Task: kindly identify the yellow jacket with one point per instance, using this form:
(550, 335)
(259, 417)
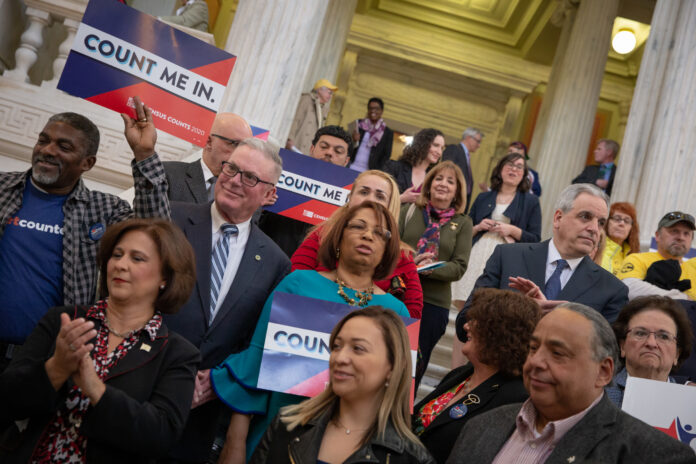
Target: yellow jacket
(614, 255)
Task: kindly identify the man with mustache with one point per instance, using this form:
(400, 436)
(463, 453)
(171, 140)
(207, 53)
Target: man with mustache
(52, 223)
(560, 266)
(567, 417)
(662, 272)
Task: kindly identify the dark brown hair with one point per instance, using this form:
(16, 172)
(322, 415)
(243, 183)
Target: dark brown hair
(175, 254)
(331, 239)
(629, 210)
(418, 149)
(497, 179)
(502, 322)
(658, 303)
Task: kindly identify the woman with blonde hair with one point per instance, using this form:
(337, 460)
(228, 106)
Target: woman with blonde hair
(379, 187)
(364, 412)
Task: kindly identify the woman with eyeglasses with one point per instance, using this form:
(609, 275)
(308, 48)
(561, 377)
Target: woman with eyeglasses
(360, 247)
(622, 233)
(654, 335)
(505, 214)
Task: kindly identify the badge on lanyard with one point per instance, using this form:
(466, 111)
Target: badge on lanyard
(96, 231)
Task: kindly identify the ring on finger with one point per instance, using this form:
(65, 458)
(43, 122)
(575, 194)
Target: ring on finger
(72, 347)
(142, 120)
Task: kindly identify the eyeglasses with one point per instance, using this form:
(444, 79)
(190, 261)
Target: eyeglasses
(361, 228)
(640, 334)
(248, 179)
(514, 167)
(626, 220)
(478, 140)
(229, 142)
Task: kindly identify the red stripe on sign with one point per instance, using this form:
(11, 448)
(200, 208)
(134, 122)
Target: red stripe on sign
(311, 212)
(312, 386)
(171, 114)
(219, 71)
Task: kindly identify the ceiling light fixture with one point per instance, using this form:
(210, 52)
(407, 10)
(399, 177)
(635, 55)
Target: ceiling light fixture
(624, 41)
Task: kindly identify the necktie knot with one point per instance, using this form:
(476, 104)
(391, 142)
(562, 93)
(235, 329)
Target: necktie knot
(228, 229)
(561, 264)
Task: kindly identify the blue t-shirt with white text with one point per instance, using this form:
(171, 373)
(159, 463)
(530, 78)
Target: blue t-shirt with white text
(31, 263)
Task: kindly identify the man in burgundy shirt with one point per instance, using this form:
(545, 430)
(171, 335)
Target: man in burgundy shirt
(567, 417)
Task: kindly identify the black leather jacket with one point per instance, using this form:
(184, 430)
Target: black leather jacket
(301, 446)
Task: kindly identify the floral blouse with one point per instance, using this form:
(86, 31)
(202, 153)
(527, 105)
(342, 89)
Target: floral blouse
(434, 407)
(62, 440)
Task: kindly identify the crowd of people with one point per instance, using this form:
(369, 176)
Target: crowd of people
(137, 334)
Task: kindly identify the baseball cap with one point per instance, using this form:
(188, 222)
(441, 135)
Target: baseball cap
(669, 219)
(325, 83)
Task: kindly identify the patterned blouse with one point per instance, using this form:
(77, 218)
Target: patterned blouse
(434, 407)
(62, 441)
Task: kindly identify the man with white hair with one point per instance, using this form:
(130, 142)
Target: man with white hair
(461, 155)
(559, 269)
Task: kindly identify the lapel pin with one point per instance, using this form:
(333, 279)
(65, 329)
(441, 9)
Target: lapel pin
(453, 225)
(458, 411)
(257, 258)
(571, 459)
(145, 347)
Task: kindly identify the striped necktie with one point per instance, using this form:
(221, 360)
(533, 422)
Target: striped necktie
(218, 264)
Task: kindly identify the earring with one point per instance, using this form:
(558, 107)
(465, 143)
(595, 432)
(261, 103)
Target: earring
(338, 252)
(386, 384)
(162, 286)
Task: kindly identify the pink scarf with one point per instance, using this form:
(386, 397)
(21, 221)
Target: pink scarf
(375, 130)
(434, 219)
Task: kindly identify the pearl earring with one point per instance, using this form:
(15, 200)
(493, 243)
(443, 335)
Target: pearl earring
(162, 287)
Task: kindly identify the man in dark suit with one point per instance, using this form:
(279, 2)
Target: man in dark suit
(567, 418)
(194, 182)
(560, 266)
(461, 155)
(237, 266)
(601, 174)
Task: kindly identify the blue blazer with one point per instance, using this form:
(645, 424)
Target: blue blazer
(590, 284)
(524, 212)
(262, 267)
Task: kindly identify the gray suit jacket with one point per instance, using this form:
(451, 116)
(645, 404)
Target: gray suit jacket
(186, 182)
(605, 435)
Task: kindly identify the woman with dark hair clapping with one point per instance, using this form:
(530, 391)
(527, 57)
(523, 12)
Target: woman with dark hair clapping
(109, 383)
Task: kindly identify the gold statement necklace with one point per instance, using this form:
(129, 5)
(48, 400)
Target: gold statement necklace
(364, 296)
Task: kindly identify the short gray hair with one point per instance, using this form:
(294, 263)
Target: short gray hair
(471, 132)
(269, 149)
(603, 342)
(569, 194)
(83, 124)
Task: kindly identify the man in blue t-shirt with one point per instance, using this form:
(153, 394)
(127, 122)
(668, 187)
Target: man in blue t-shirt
(51, 223)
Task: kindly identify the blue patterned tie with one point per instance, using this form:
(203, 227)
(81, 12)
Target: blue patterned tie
(553, 285)
(218, 264)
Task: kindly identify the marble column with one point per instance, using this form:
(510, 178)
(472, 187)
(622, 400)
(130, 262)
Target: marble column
(561, 144)
(656, 162)
(282, 48)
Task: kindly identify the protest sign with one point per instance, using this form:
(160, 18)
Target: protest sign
(669, 407)
(120, 52)
(296, 350)
(309, 190)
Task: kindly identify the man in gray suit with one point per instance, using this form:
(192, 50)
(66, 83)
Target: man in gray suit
(237, 266)
(194, 182)
(567, 418)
